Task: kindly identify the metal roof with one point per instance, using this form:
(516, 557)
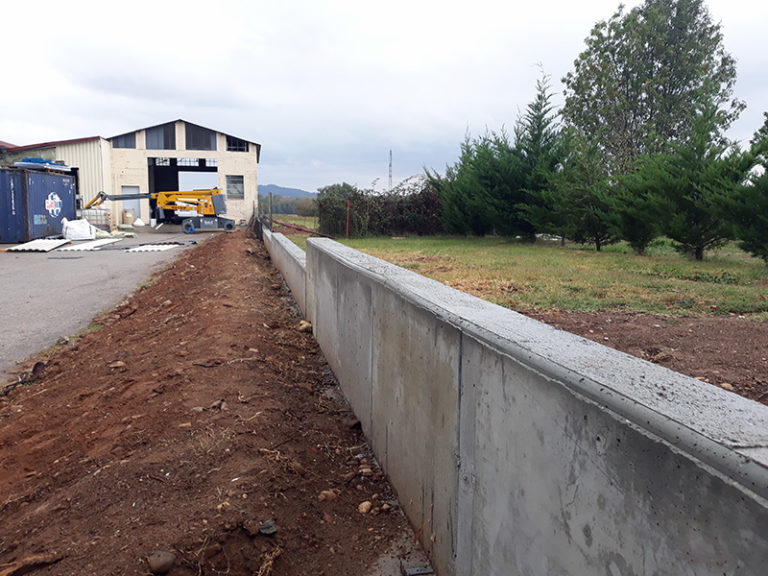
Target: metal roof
(53, 144)
(6, 145)
(258, 146)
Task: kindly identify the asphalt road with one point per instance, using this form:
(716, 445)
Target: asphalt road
(46, 296)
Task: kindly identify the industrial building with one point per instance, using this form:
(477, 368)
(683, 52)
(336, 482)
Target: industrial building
(150, 160)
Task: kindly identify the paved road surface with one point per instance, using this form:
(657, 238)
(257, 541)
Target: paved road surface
(44, 296)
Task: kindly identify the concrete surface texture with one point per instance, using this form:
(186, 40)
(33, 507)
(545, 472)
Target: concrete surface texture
(293, 265)
(46, 296)
(519, 449)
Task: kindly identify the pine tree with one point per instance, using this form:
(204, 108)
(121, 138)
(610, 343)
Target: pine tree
(697, 183)
(636, 211)
(539, 144)
(751, 207)
(578, 196)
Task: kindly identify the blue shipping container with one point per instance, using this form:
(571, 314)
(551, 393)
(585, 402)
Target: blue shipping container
(33, 204)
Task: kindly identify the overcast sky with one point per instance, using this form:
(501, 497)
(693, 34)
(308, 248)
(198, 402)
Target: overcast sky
(327, 87)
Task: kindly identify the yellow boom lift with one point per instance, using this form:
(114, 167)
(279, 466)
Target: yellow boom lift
(206, 204)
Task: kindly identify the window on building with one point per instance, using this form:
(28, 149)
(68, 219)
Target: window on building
(159, 161)
(236, 145)
(199, 138)
(124, 141)
(188, 162)
(162, 137)
(211, 162)
(235, 187)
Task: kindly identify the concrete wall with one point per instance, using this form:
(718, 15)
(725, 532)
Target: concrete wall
(519, 449)
(291, 261)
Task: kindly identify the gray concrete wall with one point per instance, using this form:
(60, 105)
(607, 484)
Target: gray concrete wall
(519, 449)
(290, 260)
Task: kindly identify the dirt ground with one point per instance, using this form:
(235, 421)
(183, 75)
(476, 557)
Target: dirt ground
(197, 427)
(727, 351)
(200, 423)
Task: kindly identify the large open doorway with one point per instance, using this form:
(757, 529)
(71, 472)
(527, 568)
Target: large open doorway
(169, 174)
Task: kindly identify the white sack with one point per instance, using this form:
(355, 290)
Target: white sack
(77, 230)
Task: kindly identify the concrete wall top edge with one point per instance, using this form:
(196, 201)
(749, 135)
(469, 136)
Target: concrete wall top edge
(295, 252)
(651, 396)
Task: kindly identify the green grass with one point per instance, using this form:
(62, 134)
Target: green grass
(310, 222)
(546, 275)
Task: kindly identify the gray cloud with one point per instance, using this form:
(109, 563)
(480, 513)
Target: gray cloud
(328, 88)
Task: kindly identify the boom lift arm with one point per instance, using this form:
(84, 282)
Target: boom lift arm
(208, 204)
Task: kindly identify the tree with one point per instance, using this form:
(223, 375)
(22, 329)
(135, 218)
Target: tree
(481, 190)
(496, 184)
(636, 212)
(751, 216)
(643, 76)
(539, 145)
(697, 183)
(306, 206)
(466, 204)
(751, 207)
(334, 203)
(578, 197)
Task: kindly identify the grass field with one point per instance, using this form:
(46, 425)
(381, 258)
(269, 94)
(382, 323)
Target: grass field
(306, 221)
(546, 275)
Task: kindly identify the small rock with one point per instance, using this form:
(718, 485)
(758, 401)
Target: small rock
(364, 507)
(327, 495)
(727, 386)
(385, 507)
(118, 364)
(268, 528)
(167, 303)
(161, 561)
(305, 326)
(185, 425)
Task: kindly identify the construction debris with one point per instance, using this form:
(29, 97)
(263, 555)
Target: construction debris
(151, 248)
(40, 245)
(89, 246)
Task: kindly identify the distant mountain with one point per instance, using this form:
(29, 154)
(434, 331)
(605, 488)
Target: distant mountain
(276, 190)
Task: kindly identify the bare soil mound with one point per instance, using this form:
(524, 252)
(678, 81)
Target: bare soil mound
(194, 429)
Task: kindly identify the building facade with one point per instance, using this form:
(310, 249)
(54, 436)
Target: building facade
(150, 159)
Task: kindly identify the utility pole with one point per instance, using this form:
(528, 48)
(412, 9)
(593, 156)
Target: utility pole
(390, 169)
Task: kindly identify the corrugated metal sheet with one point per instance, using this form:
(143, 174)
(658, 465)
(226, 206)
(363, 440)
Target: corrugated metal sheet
(91, 157)
(152, 248)
(91, 245)
(38, 246)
